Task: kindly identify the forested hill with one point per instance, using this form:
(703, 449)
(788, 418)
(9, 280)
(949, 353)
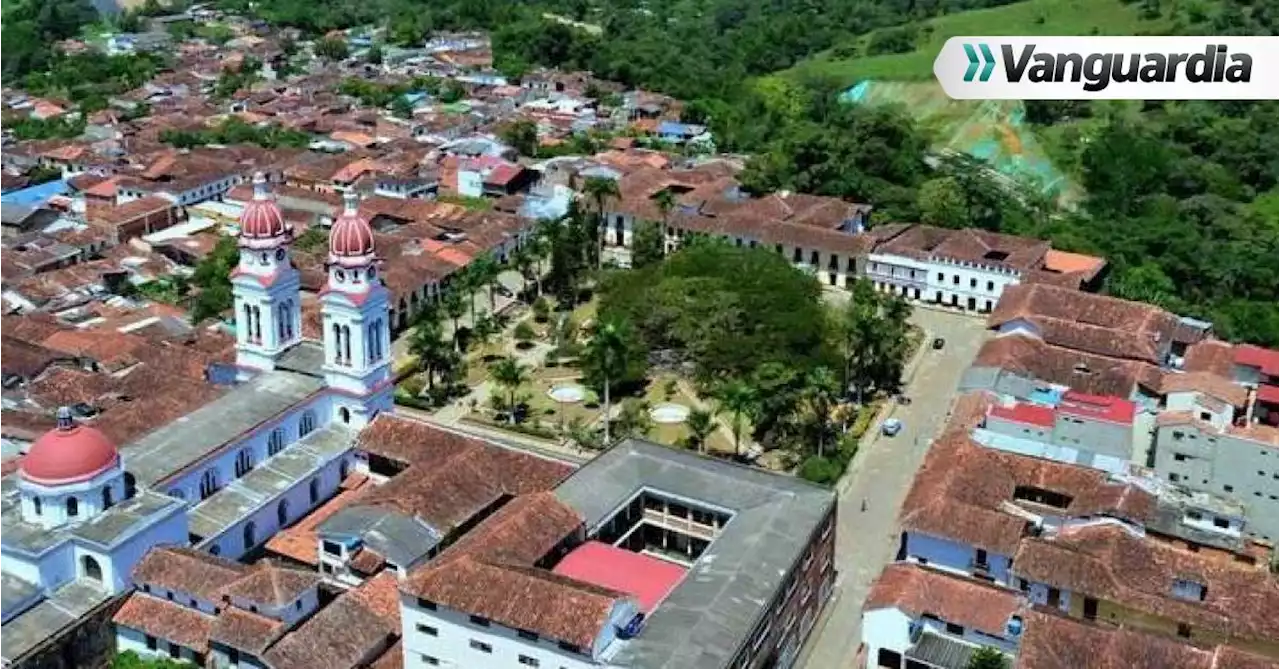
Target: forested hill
(1181, 197)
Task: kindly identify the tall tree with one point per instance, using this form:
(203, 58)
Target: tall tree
(485, 270)
(510, 375)
(522, 135)
(455, 307)
(740, 400)
(819, 396)
(600, 191)
(332, 48)
(606, 357)
(428, 344)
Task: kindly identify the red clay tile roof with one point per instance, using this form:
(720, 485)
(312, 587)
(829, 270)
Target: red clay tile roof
(187, 570)
(367, 561)
(354, 628)
(245, 631)
(917, 590)
(272, 586)
(166, 620)
(521, 532)
(1095, 324)
(1084, 372)
(960, 489)
(392, 659)
(1109, 563)
(1206, 383)
(299, 541)
(524, 598)
(1053, 641)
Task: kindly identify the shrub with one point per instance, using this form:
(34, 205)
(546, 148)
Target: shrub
(821, 470)
(541, 310)
(524, 333)
(669, 389)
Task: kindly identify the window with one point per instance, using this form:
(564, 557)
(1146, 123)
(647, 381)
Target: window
(1194, 515)
(250, 535)
(330, 547)
(480, 620)
(528, 661)
(1174, 478)
(151, 642)
(244, 462)
(275, 443)
(1227, 488)
(313, 490)
(980, 558)
(942, 277)
(308, 423)
(527, 636)
(813, 258)
(39, 507)
(481, 646)
(427, 630)
(1179, 457)
(73, 507)
(1054, 596)
(991, 285)
(953, 628)
(973, 283)
(175, 651)
(1184, 630)
(428, 660)
(888, 658)
(955, 279)
(426, 604)
(1221, 523)
(1024, 585)
(344, 414)
(282, 513)
(1090, 608)
(569, 647)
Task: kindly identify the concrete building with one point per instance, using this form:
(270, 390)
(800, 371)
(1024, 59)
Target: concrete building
(644, 557)
(1082, 429)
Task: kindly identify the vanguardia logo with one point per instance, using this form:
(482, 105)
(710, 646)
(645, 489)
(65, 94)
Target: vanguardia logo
(988, 62)
(1098, 70)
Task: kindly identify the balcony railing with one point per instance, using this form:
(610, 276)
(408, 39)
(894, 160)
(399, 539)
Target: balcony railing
(678, 524)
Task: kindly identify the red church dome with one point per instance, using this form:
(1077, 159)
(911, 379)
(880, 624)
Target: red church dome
(351, 238)
(261, 218)
(70, 453)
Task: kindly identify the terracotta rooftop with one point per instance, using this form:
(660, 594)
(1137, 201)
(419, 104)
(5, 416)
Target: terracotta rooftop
(959, 491)
(299, 541)
(1206, 383)
(1053, 641)
(917, 591)
(1078, 370)
(1096, 324)
(166, 620)
(1108, 562)
(356, 626)
(525, 598)
(272, 586)
(245, 631)
(187, 570)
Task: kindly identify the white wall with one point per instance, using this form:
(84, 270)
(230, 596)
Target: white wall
(451, 644)
(885, 628)
(187, 486)
(49, 570)
(171, 529)
(230, 542)
(965, 281)
(130, 639)
(1039, 594)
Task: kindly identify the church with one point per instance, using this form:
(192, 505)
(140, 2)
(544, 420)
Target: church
(80, 511)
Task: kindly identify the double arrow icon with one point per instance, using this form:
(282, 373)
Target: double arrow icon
(987, 58)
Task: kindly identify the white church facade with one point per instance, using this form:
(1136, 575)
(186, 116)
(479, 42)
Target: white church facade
(80, 513)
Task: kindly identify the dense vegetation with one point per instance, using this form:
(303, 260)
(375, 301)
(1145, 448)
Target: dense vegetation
(235, 131)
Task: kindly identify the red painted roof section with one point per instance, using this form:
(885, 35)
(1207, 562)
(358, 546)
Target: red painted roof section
(1255, 356)
(1269, 394)
(1028, 414)
(648, 579)
(1098, 407)
(503, 174)
(70, 455)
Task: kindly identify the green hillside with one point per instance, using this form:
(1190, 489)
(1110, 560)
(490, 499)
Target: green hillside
(850, 61)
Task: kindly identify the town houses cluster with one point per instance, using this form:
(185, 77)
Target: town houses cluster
(242, 491)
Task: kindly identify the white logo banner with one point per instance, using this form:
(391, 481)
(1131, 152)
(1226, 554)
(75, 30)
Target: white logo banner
(1110, 68)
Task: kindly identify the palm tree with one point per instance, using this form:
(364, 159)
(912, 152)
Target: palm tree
(600, 190)
(455, 307)
(485, 269)
(484, 329)
(606, 352)
(818, 395)
(739, 399)
(509, 374)
(701, 424)
(467, 282)
(428, 344)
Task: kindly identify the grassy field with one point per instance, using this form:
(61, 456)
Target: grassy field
(1036, 17)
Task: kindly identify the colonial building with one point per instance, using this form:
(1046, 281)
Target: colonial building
(80, 513)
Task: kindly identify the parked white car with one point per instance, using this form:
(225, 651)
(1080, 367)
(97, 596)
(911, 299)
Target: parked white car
(891, 427)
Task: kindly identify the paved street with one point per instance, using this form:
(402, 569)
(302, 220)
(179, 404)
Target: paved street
(881, 474)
